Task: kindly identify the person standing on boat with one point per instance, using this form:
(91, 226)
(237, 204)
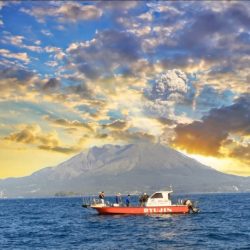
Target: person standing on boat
(141, 200)
(118, 198)
(128, 200)
(101, 197)
(145, 198)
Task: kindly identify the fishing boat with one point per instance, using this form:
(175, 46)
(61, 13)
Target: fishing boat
(158, 203)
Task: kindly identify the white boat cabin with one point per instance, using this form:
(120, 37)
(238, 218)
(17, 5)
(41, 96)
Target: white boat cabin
(160, 198)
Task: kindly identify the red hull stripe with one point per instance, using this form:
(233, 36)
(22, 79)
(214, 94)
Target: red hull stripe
(143, 210)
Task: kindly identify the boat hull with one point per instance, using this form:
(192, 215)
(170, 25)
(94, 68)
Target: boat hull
(174, 209)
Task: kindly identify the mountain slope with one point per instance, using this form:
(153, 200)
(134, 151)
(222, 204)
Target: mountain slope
(129, 168)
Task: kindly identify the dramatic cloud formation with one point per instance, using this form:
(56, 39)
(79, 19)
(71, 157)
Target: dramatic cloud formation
(209, 135)
(76, 74)
(171, 86)
(169, 90)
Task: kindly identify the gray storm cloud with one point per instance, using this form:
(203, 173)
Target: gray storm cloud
(168, 90)
(171, 86)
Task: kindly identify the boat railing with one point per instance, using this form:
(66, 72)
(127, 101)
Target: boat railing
(89, 201)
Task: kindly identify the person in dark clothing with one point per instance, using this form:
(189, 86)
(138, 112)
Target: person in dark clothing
(128, 200)
(143, 199)
(101, 197)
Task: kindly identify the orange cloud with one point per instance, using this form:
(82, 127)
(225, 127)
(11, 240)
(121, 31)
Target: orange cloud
(211, 135)
(33, 135)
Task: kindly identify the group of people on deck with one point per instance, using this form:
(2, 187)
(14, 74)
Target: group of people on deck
(118, 199)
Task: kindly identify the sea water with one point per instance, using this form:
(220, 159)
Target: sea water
(61, 223)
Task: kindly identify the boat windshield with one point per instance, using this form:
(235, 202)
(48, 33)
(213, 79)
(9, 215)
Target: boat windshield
(157, 196)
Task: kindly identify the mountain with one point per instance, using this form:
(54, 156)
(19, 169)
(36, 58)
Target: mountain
(130, 168)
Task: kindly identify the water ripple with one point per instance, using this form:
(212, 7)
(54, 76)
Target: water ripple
(64, 224)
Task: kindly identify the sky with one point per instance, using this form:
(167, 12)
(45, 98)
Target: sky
(79, 74)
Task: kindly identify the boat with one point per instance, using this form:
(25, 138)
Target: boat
(158, 203)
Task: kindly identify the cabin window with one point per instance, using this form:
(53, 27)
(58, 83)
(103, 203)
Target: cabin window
(157, 195)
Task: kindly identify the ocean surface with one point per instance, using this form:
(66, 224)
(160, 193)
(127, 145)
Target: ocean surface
(61, 223)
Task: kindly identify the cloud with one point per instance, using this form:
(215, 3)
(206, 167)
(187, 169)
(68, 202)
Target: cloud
(208, 135)
(208, 32)
(19, 42)
(159, 109)
(18, 83)
(169, 91)
(46, 32)
(69, 123)
(81, 90)
(7, 3)
(73, 12)
(2, 4)
(19, 56)
(171, 85)
(239, 13)
(118, 124)
(15, 82)
(52, 84)
(209, 98)
(70, 12)
(132, 136)
(32, 134)
(241, 152)
(203, 40)
(22, 75)
(59, 54)
(58, 149)
(52, 63)
(209, 26)
(105, 54)
(117, 6)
